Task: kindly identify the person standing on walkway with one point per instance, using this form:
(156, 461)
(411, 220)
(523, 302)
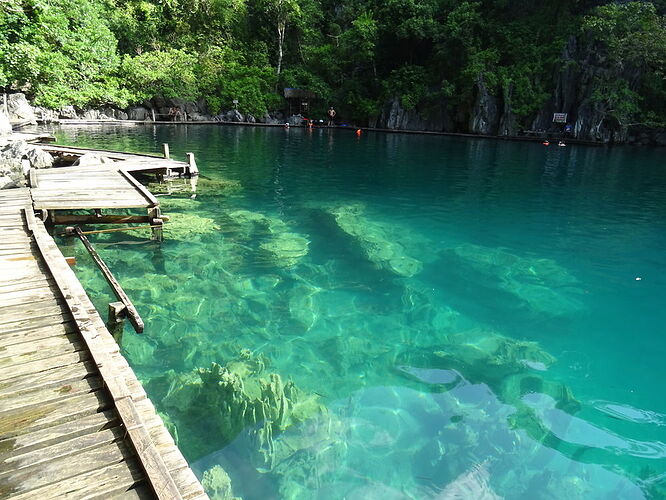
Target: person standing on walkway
(331, 116)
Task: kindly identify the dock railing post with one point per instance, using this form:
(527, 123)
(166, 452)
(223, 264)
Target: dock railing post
(155, 215)
(192, 164)
(116, 321)
(165, 149)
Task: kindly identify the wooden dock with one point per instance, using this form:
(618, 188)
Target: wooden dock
(74, 420)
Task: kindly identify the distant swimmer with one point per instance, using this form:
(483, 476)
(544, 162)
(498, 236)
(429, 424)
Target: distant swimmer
(561, 143)
(546, 142)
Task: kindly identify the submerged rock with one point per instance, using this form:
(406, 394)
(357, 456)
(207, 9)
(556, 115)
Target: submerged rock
(286, 249)
(229, 399)
(217, 484)
(184, 226)
(377, 241)
(541, 284)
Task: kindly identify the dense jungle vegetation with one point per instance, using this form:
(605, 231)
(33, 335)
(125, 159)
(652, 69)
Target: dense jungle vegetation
(355, 54)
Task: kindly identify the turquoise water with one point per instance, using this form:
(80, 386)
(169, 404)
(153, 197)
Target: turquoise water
(401, 316)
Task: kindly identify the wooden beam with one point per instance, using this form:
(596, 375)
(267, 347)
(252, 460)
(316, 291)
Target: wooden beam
(132, 313)
(140, 187)
(74, 220)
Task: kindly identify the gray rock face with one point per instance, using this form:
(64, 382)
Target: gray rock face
(234, 116)
(250, 119)
(67, 113)
(46, 115)
(138, 113)
(19, 108)
(484, 118)
(395, 117)
(12, 169)
(5, 126)
(295, 120)
(267, 118)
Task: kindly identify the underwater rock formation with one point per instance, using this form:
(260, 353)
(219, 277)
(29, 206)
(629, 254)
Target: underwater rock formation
(217, 484)
(286, 249)
(379, 242)
(281, 246)
(541, 284)
(185, 226)
(229, 399)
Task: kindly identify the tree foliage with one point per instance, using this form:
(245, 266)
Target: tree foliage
(357, 54)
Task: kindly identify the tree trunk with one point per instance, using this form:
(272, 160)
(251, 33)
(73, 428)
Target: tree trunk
(281, 28)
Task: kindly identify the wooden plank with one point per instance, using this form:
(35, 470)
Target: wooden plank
(42, 365)
(30, 478)
(53, 393)
(33, 335)
(57, 377)
(122, 480)
(32, 459)
(140, 187)
(26, 352)
(58, 433)
(37, 321)
(28, 419)
(26, 295)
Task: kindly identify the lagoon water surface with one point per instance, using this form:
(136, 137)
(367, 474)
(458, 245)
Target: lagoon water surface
(400, 316)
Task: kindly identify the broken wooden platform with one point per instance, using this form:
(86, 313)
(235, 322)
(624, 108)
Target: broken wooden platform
(74, 420)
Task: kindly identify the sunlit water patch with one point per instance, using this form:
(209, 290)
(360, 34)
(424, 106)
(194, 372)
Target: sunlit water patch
(400, 317)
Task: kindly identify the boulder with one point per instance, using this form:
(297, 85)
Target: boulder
(67, 113)
(19, 108)
(250, 119)
(234, 116)
(296, 120)
(5, 126)
(121, 115)
(90, 159)
(39, 158)
(46, 115)
(267, 118)
(197, 117)
(11, 173)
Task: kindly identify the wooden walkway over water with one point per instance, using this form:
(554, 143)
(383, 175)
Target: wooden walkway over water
(74, 420)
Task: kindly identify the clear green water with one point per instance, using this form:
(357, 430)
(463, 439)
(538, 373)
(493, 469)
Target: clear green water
(460, 317)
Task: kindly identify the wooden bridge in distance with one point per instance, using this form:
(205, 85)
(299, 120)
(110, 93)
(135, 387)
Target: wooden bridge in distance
(74, 420)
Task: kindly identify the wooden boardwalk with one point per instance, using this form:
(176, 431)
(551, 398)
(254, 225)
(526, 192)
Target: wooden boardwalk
(77, 188)
(74, 420)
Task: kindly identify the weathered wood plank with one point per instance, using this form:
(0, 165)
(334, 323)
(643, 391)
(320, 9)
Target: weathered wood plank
(60, 450)
(30, 478)
(33, 418)
(35, 335)
(58, 433)
(37, 321)
(18, 354)
(52, 393)
(56, 377)
(43, 365)
(123, 480)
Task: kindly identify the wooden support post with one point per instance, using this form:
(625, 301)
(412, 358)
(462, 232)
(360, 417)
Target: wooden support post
(165, 150)
(116, 320)
(155, 216)
(152, 111)
(192, 165)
